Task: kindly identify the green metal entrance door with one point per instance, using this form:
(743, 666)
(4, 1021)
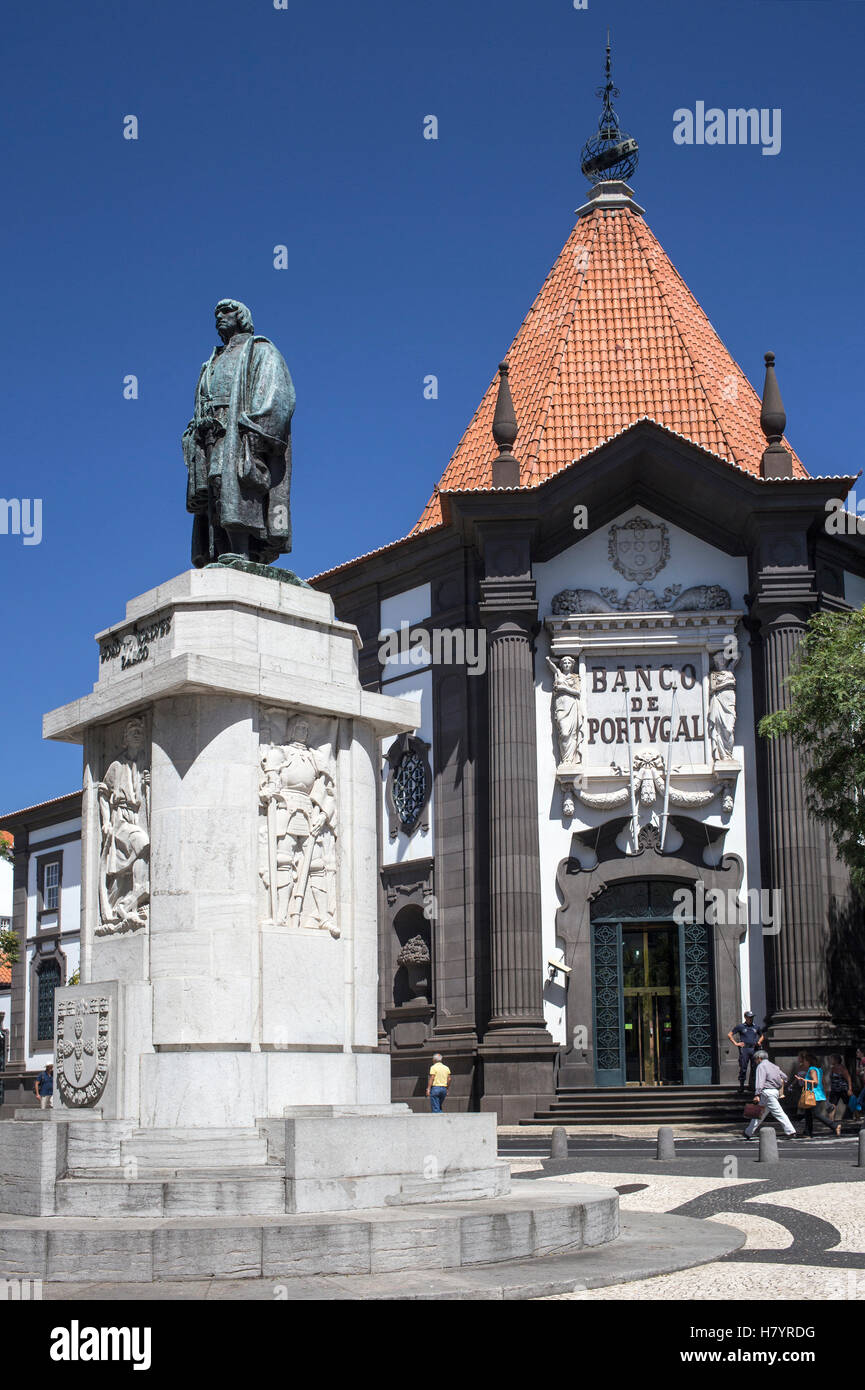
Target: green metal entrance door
(652, 1005)
(652, 989)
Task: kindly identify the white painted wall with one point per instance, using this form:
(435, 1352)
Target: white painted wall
(586, 565)
(400, 612)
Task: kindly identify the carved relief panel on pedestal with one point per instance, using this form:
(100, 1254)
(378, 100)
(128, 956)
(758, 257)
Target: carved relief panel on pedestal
(123, 799)
(298, 821)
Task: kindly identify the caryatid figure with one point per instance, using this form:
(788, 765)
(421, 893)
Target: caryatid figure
(722, 704)
(237, 446)
(567, 718)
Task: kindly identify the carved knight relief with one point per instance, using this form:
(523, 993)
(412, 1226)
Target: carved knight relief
(123, 797)
(298, 823)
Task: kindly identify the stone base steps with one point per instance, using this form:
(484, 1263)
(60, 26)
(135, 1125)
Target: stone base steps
(194, 1148)
(190, 1192)
(244, 1191)
(544, 1220)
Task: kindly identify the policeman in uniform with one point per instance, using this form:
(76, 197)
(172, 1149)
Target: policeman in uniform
(746, 1037)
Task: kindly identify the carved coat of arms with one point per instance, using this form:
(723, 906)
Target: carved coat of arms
(639, 548)
(82, 1049)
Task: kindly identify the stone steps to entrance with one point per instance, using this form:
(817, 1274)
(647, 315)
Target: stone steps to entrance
(642, 1105)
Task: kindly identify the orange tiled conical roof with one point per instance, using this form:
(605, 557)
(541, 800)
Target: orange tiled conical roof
(614, 336)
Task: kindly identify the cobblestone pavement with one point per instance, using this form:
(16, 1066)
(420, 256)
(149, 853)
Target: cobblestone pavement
(804, 1217)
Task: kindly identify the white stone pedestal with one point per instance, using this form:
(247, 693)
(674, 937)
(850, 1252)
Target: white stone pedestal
(222, 1013)
(223, 1047)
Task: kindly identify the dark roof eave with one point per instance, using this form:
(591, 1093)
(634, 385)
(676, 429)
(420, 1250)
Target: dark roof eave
(72, 800)
(385, 550)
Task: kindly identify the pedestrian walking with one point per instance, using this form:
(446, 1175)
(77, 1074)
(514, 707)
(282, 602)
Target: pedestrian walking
(810, 1075)
(768, 1089)
(45, 1088)
(840, 1085)
(746, 1037)
(859, 1068)
(438, 1083)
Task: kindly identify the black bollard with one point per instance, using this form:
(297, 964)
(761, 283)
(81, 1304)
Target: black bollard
(861, 1162)
(666, 1145)
(559, 1143)
(768, 1146)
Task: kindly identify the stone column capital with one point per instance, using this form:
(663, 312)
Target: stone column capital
(509, 608)
(783, 598)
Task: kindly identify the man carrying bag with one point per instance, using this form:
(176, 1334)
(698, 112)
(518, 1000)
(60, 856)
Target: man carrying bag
(769, 1087)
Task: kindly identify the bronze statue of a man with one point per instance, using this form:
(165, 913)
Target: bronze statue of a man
(237, 446)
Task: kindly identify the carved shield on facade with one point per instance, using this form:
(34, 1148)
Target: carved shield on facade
(82, 1049)
(639, 548)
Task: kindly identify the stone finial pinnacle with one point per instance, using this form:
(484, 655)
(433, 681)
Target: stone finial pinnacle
(777, 462)
(505, 427)
(506, 469)
(773, 420)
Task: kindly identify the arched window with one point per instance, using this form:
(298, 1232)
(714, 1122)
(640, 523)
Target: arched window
(409, 783)
(49, 979)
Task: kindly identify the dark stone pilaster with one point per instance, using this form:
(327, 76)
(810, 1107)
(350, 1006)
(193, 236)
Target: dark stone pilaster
(517, 1050)
(796, 955)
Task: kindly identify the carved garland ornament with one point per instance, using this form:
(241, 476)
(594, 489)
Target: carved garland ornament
(649, 783)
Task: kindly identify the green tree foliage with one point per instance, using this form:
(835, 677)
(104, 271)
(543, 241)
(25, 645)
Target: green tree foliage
(9, 945)
(826, 719)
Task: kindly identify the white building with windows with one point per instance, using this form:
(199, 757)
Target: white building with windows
(43, 901)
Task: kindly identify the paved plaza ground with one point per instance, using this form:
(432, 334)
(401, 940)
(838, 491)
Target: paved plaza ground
(803, 1218)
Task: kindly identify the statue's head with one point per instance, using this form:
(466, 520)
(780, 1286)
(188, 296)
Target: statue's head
(298, 731)
(232, 317)
(567, 665)
(719, 659)
(133, 734)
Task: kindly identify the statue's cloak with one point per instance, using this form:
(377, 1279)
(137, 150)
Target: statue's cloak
(242, 480)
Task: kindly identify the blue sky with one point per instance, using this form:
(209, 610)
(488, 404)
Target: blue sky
(408, 257)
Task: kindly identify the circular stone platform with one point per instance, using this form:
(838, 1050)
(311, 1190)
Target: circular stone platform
(551, 1219)
(552, 1239)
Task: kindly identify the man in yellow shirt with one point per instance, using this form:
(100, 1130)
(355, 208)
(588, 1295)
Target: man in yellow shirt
(438, 1083)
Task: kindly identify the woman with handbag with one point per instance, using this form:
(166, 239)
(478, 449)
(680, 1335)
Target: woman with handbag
(812, 1098)
(840, 1087)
